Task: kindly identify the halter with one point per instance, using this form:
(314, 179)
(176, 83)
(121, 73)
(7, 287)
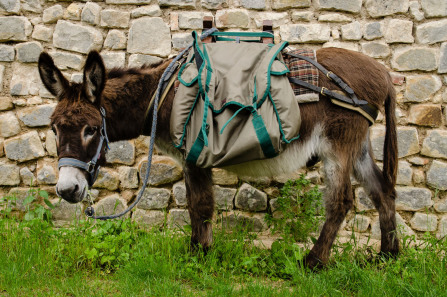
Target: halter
(90, 167)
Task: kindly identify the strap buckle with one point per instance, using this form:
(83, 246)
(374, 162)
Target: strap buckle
(328, 74)
(322, 91)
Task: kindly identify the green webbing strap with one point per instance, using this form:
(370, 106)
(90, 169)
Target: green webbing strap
(196, 149)
(263, 136)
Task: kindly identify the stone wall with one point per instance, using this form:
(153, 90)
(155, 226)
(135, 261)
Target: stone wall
(409, 37)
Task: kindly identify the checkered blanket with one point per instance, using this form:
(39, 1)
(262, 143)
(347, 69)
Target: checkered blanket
(305, 71)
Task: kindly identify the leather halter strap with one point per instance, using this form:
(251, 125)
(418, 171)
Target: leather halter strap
(90, 167)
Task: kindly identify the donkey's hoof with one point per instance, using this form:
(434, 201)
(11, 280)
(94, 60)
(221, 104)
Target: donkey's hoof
(196, 246)
(313, 262)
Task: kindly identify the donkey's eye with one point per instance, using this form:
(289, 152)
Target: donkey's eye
(90, 131)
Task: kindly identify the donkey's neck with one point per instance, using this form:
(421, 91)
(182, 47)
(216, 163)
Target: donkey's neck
(126, 98)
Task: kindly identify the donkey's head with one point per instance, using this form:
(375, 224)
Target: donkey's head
(77, 124)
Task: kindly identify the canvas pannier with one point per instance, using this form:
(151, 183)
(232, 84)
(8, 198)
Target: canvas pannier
(234, 104)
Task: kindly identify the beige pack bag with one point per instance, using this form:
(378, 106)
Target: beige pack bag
(234, 104)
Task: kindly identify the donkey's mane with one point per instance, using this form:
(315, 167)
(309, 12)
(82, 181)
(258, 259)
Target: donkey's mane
(118, 72)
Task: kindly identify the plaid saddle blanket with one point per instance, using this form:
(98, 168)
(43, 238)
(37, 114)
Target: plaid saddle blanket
(304, 71)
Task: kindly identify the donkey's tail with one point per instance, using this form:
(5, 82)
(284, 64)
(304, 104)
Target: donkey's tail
(390, 151)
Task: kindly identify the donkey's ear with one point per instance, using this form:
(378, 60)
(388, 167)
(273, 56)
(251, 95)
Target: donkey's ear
(51, 76)
(94, 77)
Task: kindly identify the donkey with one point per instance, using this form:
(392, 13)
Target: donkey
(337, 136)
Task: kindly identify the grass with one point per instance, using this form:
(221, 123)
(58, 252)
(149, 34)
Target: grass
(38, 260)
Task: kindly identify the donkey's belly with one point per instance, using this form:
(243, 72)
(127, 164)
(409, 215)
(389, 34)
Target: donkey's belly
(294, 157)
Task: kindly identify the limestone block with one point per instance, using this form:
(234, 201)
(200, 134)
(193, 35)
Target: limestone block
(9, 124)
(65, 60)
(138, 2)
(148, 218)
(73, 12)
(191, 19)
(214, 4)
(128, 177)
(65, 211)
(50, 143)
(148, 10)
(181, 40)
(402, 228)
(37, 116)
(351, 31)
(178, 3)
(109, 205)
(442, 231)
(435, 144)
(46, 172)
(404, 173)
(91, 13)
(32, 6)
(52, 14)
(26, 81)
(224, 178)
(177, 218)
(248, 221)
(346, 45)
(312, 33)
(432, 32)
(376, 49)
(114, 59)
(443, 58)
(437, 175)
(421, 88)
(424, 222)
(138, 60)
(399, 31)
(380, 8)
(415, 11)
(15, 28)
(179, 193)
(254, 4)
(362, 201)
(232, 18)
(223, 197)
(5, 103)
(112, 18)
(441, 206)
(149, 35)
(24, 147)
(7, 53)
(77, 38)
(353, 6)
(115, 40)
(414, 58)
(2, 73)
(372, 30)
(27, 177)
(154, 198)
(43, 33)
(107, 179)
(434, 8)
(359, 223)
(10, 6)
(334, 18)
(18, 195)
(9, 174)
(28, 52)
(164, 170)
(407, 141)
(413, 199)
(302, 16)
(250, 198)
(278, 18)
(425, 115)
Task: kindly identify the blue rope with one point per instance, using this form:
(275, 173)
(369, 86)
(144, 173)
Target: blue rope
(153, 129)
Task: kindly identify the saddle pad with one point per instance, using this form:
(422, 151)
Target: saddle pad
(304, 71)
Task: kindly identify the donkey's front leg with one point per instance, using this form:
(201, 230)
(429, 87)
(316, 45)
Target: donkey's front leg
(199, 193)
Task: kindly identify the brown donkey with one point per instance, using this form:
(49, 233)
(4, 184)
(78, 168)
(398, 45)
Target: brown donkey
(337, 136)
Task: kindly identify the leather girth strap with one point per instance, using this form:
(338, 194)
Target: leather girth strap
(366, 109)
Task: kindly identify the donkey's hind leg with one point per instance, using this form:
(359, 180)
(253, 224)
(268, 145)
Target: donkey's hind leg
(338, 201)
(199, 194)
(382, 195)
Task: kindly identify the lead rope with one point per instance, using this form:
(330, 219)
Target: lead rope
(89, 211)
